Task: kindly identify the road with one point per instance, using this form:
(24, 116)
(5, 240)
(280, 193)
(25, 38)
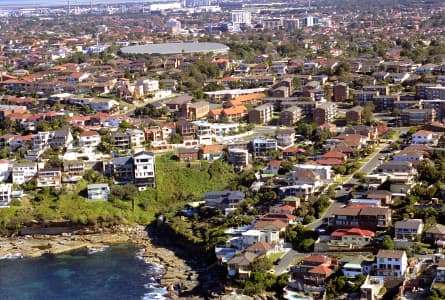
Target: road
(367, 168)
(287, 260)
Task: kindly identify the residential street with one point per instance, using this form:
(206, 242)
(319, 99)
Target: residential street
(366, 168)
(287, 260)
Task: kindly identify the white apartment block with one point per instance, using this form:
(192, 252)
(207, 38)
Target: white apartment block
(241, 17)
(23, 172)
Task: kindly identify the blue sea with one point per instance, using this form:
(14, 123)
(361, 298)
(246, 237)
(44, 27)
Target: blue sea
(116, 273)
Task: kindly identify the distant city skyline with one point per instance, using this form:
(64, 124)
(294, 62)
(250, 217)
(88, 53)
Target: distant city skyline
(8, 4)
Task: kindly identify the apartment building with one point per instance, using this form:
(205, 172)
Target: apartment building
(325, 113)
(262, 146)
(261, 114)
(291, 115)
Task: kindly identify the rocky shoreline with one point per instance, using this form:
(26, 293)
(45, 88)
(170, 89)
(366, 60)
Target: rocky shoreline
(178, 273)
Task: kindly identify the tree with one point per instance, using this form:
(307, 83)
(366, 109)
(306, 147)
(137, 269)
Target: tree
(261, 264)
(368, 111)
(388, 243)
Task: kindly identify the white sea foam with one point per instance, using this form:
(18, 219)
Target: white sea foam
(93, 250)
(11, 256)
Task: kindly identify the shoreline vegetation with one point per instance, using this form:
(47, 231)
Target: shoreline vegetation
(179, 277)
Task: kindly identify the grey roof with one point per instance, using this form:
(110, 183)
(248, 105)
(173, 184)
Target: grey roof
(123, 160)
(409, 223)
(175, 48)
(97, 185)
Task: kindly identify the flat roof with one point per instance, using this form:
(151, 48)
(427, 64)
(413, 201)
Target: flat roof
(175, 48)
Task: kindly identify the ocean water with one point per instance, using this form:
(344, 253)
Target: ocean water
(115, 273)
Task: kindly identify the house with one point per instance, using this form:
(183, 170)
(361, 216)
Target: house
(302, 183)
(262, 146)
(292, 152)
(371, 218)
(240, 265)
(211, 152)
(384, 196)
(49, 177)
(391, 263)
(435, 233)
(98, 191)
(283, 209)
(260, 248)
(424, 137)
(314, 271)
(370, 133)
(285, 137)
(144, 170)
(272, 167)
(372, 287)
(351, 238)
(73, 170)
(226, 201)
(440, 272)
(359, 265)
(123, 169)
(61, 138)
(5, 194)
(5, 170)
(409, 229)
(89, 139)
(238, 157)
(188, 154)
(334, 154)
(23, 172)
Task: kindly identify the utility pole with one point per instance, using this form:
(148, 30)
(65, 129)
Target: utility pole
(69, 8)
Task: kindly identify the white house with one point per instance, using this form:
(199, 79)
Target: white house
(5, 194)
(4, 170)
(391, 263)
(23, 172)
(424, 137)
(89, 139)
(98, 191)
(144, 170)
(103, 104)
(137, 137)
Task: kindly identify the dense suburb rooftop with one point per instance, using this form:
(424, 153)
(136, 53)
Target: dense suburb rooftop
(176, 48)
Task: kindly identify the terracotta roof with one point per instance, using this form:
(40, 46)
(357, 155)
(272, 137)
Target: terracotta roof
(274, 163)
(294, 150)
(88, 133)
(329, 162)
(323, 270)
(334, 154)
(321, 259)
(260, 246)
(353, 231)
(261, 224)
(211, 148)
